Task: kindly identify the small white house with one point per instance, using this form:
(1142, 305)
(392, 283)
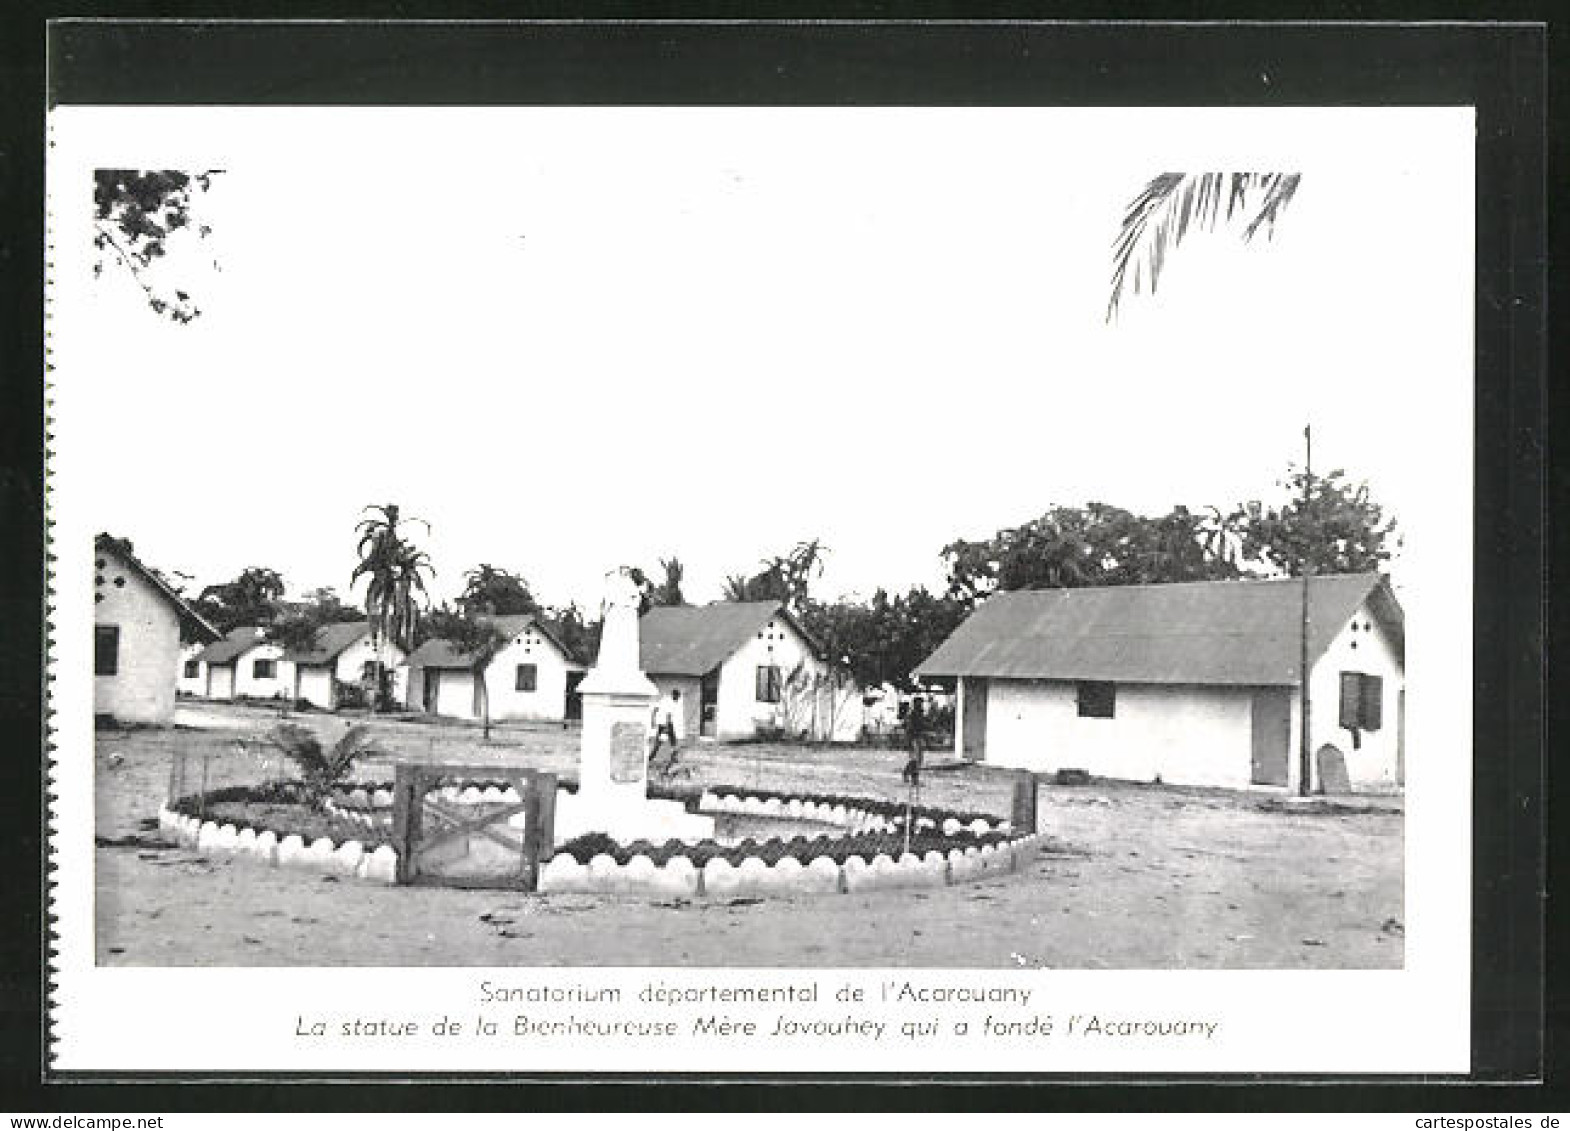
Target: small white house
(138, 622)
(1190, 683)
(745, 668)
(533, 677)
(342, 654)
(245, 665)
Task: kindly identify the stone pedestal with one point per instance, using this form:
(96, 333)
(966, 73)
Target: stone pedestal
(618, 708)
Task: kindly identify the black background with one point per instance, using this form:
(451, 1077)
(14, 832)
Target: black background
(1499, 69)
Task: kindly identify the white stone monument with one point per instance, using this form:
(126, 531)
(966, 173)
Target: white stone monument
(618, 710)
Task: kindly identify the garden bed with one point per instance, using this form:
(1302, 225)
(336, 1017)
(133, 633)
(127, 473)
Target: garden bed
(863, 844)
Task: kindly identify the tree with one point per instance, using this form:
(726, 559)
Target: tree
(786, 579)
(298, 630)
(477, 639)
(578, 635)
(250, 599)
(1069, 547)
(1172, 204)
(666, 592)
(885, 639)
(495, 592)
(395, 570)
(1337, 529)
(135, 214)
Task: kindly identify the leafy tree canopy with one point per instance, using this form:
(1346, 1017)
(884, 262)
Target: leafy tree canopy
(1098, 544)
(1336, 528)
(250, 599)
(495, 592)
(884, 639)
(135, 214)
(786, 578)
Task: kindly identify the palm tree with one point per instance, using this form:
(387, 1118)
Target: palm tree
(395, 570)
(1162, 214)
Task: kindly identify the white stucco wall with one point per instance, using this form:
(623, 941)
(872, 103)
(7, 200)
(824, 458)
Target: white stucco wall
(314, 684)
(739, 714)
(220, 680)
(191, 685)
(247, 685)
(455, 694)
(142, 688)
(1368, 650)
(1188, 735)
(548, 700)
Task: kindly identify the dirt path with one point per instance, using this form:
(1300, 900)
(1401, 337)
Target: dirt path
(1133, 877)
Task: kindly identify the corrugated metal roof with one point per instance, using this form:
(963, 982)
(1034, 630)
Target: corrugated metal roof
(331, 640)
(696, 639)
(438, 653)
(238, 642)
(1219, 632)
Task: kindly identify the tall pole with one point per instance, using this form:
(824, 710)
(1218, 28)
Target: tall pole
(1305, 569)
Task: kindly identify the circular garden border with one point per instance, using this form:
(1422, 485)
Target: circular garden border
(352, 838)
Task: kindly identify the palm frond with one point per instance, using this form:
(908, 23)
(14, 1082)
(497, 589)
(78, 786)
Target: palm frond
(1171, 205)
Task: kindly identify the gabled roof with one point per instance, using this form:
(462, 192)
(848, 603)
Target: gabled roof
(237, 643)
(696, 639)
(1213, 632)
(438, 653)
(190, 619)
(331, 640)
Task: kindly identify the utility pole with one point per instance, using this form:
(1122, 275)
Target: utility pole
(1305, 569)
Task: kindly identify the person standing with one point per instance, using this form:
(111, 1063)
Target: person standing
(667, 720)
(915, 737)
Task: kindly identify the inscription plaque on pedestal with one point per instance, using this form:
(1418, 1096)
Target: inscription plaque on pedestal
(629, 751)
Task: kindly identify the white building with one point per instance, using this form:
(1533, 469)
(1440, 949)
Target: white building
(745, 668)
(1192, 683)
(533, 677)
(138, 622)
(342, 654)
(245, 665)
(191, 674)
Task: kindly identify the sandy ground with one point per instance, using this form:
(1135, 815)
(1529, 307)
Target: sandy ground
(1132, 876)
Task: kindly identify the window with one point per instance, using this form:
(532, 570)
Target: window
(264, 669)
(528, 677)
(368, 672)
(106, 649)
(1362, 701)
(193, 668)
(1096, 700)
(768, 688)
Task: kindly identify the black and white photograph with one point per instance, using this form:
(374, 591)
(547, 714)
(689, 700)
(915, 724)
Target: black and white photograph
(586, 558)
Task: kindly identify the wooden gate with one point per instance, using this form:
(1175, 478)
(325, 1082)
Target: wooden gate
(475, 844)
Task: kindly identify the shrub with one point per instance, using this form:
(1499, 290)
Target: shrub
(586, 847)
(321, 768)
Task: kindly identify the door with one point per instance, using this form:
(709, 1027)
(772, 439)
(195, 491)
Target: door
(1272, 736)
(572, 710)
(432, 689)
(709, 704)
(974, 725)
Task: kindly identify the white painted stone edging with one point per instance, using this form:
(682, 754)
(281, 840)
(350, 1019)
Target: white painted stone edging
(347, 859)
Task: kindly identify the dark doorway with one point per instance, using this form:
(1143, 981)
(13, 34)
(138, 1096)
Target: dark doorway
(1272, 735)
(431, 689)
(572, 710)
(709, 704)
(973, 745)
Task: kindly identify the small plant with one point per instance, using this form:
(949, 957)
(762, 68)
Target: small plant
(586, 847)
(321, 768)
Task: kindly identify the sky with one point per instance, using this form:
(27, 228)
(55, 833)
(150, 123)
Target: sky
(575, 338)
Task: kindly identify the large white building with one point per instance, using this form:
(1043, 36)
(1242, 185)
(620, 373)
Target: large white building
(533, 677)
(1190, 683)
(745, 668)
(138, 622)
